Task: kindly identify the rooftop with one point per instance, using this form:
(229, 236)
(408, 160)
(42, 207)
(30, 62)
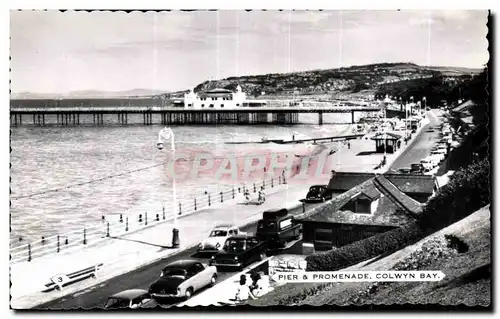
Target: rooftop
(182, 263)
(407, 183)
(341, 181)
(130, 294)
(386, 136)
(464, 107)
(412, 183)
(400, 199)
(387, 213)
(223, 226)
(217, 91)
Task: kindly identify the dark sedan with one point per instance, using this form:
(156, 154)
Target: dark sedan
(181, 279)
(239, 251)
(318, 193)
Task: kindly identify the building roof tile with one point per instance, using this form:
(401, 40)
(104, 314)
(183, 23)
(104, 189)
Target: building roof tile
(412, 183)
(388, 212)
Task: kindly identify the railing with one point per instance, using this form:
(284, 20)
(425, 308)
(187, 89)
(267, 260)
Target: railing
(76, 240)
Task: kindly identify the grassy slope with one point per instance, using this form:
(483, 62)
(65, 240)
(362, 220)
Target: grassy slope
(467, 278)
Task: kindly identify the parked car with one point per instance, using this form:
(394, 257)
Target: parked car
(318, 193)
(404, 170)
(429, 163)
(240, 251)
(182, 278)
(441, 147)
(417, 168)
(132, 299)
(218, 237)
(440, 150)
(277, 227)
(438, 155)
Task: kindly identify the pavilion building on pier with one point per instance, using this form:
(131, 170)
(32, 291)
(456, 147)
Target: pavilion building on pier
(219, 99)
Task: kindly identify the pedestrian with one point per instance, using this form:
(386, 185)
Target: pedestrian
(261, 284)
(243, 293)
(349, 145)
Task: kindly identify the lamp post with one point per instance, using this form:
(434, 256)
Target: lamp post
(406, 123)
(165, 135)
(411, 105)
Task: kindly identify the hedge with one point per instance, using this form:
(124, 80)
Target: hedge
(362, 250)
(467, 191)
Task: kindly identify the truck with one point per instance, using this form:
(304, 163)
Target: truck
(277, 227)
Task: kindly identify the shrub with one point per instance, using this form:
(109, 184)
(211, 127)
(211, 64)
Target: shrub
(362, 250)
(457, 244)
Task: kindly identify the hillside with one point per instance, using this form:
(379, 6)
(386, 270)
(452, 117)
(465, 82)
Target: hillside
(461, 250)
(342, 83)
(332, 81)
(87, 94)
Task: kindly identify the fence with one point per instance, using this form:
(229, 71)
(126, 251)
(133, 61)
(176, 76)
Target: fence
(76, 240)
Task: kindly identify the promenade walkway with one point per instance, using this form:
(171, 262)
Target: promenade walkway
(131, 251)
(359, 155)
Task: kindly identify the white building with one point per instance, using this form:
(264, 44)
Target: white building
(219, 99)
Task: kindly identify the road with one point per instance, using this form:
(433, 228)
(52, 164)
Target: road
(96, 296)
(423, 144)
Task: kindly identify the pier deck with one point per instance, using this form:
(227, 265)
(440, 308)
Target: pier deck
(177, 115)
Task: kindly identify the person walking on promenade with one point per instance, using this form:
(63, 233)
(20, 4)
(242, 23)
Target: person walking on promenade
(262, 196)
(247, 196)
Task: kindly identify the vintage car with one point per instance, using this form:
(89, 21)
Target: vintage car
(404, 170)
(132, 299)
(318, 193)
(429, 163)
(439, 155)
(239, 251)
(417, 168)
(217, 238)
(181, 279)
(277, 227)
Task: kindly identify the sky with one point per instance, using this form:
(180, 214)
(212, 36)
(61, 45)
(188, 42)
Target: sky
(55, 52)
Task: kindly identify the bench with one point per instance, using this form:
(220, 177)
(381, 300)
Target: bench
(63, 280)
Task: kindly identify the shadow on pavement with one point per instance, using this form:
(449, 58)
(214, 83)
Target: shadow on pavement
(145, 243)
(366, 153)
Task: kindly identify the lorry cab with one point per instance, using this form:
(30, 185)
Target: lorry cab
(277, 227)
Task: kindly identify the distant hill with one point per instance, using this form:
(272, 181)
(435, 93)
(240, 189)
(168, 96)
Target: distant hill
(351, 79)
(88, 94)
(329, 82)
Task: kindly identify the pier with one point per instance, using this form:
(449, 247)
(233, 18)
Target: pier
(174, 115)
